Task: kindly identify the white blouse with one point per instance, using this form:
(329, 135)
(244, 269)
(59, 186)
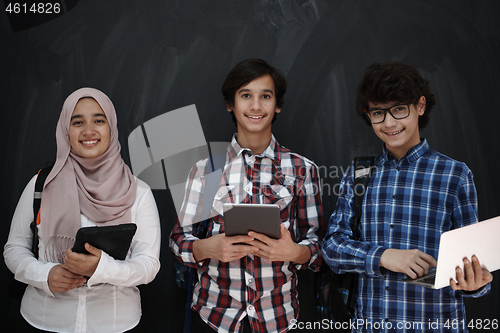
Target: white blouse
(110, 300)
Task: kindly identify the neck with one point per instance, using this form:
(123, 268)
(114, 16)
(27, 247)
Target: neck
(257, 143)
(400, 152)
(397, 153)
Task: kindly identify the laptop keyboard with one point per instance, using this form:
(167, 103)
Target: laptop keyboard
(430, 279)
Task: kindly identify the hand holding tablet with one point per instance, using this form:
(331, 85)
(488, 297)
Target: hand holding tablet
(239, 219)
(114, 240)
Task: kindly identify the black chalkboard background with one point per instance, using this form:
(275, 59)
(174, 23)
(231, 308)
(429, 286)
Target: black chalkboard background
(153, 56)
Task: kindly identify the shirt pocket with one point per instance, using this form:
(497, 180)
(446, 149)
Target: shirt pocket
(222, 196)
(281, 195)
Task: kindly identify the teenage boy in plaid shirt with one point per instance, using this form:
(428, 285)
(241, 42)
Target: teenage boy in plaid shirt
(414, 195)
(253, 287)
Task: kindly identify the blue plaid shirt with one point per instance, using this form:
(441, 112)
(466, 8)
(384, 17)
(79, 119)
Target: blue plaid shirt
(408, 204)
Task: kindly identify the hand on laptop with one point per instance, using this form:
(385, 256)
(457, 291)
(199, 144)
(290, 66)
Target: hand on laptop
(282, 249)
(474, 278)
(413, 263)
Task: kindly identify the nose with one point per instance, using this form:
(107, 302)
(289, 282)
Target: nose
(256, 103)
(389, 120)
(89, 128)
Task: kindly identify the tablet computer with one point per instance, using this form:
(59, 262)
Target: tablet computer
(114, 240)
(239, 219)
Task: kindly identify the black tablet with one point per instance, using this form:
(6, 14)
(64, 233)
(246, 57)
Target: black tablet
(239, 219)
(114, 240)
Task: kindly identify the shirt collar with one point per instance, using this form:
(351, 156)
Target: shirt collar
(273, 151)
(411, 156)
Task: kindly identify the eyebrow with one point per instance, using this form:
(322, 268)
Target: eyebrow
(263, 90)
(94, 115)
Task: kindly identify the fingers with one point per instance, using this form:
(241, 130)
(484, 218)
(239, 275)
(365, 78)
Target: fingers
(61, 280)
(476, 270)
(83, 264)
(261, 237)
(454, 285)
(93, 250)
(471, 277)
(460, 275)
(431, 262)
(223, 248)
(238, 239)
(413, 263)
(419, 268)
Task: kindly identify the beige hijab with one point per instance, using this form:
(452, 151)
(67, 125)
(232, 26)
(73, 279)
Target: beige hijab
(101, 188)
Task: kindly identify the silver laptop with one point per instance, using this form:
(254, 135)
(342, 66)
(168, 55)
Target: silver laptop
(481, 239)
(239, 219)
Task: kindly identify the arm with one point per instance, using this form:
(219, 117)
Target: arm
(143, 264)
(309, 226)
(283, 249)
(476, 281)
(341, 252)
(19, 258)
(188, 248)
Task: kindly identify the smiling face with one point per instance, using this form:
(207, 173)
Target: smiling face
(89, 132)
(400, 135)
(254, 108)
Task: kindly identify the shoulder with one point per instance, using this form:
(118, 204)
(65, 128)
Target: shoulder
(445, 164)
(445, 171)
(288, 156)
(28, 192)
(142, 186)
(200, 168)
(143, 192)
(301, 164)
(32, 181)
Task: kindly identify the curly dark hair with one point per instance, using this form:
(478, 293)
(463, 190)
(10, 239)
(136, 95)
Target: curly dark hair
(247, 71)
(394, 82)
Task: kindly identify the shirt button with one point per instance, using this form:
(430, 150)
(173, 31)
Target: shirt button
(387, 288)
(398, 168)
(392, 226)
(247, 189)
(394, 196)
(250, 307)
(250, 281)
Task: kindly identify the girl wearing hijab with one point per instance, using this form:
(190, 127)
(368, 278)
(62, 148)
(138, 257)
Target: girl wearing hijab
(89, 185)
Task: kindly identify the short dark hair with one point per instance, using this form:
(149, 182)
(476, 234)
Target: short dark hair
(394, 82)
(247, 71)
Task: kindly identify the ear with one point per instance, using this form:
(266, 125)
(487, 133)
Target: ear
(422, 102)
(277, 110)
(229, 108)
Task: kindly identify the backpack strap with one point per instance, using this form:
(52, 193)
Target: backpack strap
(37, 200)
(362, 174)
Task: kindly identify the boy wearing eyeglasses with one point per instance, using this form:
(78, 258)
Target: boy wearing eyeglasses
(414, 195)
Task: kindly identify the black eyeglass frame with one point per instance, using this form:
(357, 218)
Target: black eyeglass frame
(389, 110)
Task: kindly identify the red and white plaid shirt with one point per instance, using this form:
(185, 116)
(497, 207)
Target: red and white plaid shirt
(264, 291)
